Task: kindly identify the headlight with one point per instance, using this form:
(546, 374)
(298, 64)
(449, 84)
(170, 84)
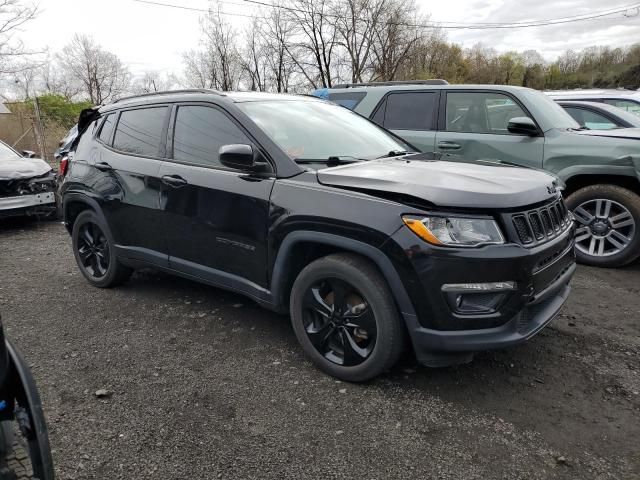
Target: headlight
(455, 231)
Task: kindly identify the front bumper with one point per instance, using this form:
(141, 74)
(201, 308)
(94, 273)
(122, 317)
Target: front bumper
(441, 335)
(27, 204)
(529, 321)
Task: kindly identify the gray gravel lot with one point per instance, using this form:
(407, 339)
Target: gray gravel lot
(205, 384)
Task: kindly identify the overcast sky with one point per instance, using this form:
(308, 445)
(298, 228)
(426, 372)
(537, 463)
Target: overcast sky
(150, 37)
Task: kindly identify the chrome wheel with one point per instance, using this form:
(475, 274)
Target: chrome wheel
(339, 322)
(605, 227)
(93, 250)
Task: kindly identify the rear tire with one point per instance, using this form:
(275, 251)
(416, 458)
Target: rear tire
(94, 250)
(608, 225)
(353, 339)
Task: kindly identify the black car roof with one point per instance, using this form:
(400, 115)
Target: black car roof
(200, 95)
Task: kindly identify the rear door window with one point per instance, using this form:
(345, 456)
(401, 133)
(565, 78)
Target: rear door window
(409, 111)
(349, 100)
(480, 112)
(140, 131)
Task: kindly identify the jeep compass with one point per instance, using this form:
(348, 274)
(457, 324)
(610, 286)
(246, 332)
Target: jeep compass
(312, 210)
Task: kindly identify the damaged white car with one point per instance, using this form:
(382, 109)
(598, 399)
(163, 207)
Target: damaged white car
(27, 185)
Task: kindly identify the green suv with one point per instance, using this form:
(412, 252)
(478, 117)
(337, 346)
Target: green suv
(521, 126)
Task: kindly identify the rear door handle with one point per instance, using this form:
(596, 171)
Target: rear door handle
(174, 181)
(449, 146)
(103, 166)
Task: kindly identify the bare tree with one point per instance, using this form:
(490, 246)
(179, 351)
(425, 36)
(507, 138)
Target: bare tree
(394, 40)
(53, 80)
(357, 22)
(315, 53)
(254, 60)
(218, 64)
(277, 30)
(13, 14)
(101, 73)
(153, 81)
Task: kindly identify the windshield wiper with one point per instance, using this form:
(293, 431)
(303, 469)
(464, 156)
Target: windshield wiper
(395, 153)
(333, 160)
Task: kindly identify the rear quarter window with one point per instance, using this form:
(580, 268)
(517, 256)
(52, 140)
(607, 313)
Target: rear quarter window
(107, 129)
(349, 100)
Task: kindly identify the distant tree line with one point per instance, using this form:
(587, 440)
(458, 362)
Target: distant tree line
(304, 44)
(299, 45)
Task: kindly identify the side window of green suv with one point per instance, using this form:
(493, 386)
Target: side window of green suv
(480, 112)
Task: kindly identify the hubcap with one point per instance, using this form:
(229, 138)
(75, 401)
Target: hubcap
(93, 250)
(339, 322)
(605, 227)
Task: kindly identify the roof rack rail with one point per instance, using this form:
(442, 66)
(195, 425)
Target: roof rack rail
(166, 92)
(434, 81)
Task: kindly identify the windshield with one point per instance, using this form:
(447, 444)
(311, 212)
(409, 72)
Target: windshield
(554, 113)
(7, 153)
(313, 130)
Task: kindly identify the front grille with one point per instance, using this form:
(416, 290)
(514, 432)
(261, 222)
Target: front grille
(536, 225)
(524, 232)
(541, 224)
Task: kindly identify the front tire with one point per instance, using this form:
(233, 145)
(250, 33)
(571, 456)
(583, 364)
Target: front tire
(345, 318)
(608, 225)
(94, 251)
(15, 463)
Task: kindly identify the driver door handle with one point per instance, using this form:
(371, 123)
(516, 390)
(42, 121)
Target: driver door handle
(174, 181)
(103, 166)
(449, 146)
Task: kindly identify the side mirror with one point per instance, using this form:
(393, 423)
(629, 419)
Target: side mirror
(237, 156)
(523, 126)
(28, 154)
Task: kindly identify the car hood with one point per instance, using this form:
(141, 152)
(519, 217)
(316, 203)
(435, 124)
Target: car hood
(446, 183)
(632, 133)
(14, 169)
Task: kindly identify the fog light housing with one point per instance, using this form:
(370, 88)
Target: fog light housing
(476, 298)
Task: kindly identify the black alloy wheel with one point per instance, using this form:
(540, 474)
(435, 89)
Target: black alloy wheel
(93, 250)
(346, 318)
(339, 322)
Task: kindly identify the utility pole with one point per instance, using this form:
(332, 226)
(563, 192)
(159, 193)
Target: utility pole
(39, 130)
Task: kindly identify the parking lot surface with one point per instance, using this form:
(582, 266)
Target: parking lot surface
(205, 384)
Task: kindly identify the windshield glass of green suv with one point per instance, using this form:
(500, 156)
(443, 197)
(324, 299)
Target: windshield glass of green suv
(309, 130)
(557, 115)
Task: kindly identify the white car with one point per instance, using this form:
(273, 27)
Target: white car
(625, 99)
(27, 185)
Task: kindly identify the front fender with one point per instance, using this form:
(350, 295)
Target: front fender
(284, 259)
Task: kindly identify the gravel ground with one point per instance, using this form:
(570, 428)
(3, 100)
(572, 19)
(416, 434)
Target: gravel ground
(205, 384)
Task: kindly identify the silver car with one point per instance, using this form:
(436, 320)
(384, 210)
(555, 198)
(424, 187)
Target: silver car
(628, 100)
(27, 185)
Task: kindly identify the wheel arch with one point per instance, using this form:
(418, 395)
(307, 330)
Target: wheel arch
(576, 182)
(73, 204)
(299, 248)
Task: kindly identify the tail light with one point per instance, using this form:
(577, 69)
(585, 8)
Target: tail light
(64, 166)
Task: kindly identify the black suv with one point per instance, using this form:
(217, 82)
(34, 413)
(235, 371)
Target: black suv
(311, 209)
